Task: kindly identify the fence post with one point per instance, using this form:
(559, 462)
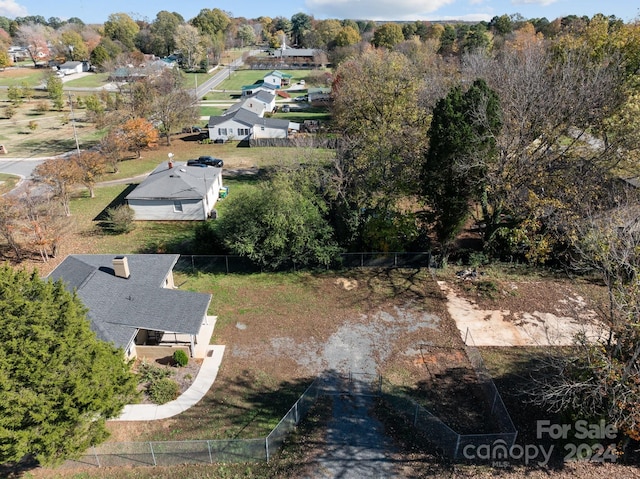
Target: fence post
(266, 447)
(209, 448)
(295, 411)
(495, 398)
(415, 416)
(96, 455)
(455, 453)
(152, 453)
(395, 259)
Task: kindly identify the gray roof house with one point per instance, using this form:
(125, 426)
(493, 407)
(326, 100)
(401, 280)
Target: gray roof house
(260, 103)
(256, 87)
(69, 68)
(133, 303)
(244, 124)
(177, 192)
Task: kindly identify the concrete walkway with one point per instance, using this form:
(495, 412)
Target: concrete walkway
(203, 382)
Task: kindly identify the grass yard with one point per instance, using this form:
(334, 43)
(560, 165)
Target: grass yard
(22, 76)
(94, 80)
(208, 110)
(7, 183)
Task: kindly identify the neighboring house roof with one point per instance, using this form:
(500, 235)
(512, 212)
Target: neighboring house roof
(118, 306)
(70, 65)
(294, 52)
(279, 74)
(249, 118)
(262, 96)
(178, 183)
(264, 86)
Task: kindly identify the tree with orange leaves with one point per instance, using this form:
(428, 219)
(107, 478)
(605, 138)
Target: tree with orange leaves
(139, 134)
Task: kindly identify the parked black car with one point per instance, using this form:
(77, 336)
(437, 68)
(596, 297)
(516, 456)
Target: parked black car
(205, 161)
(211, 161)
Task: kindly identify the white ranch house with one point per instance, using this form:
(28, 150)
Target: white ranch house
(177, 192)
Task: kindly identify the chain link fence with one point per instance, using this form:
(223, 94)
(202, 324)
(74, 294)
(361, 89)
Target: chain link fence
(449, 442)
(445, 439)
(222, 264)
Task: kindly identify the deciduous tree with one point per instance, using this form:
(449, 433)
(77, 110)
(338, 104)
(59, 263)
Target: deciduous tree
(34, 38)
(387, 35)
(61, 175)
(173, 105)
(122, 28)
(281, 223)
(375, 107)
(92, 166)
(139, 134)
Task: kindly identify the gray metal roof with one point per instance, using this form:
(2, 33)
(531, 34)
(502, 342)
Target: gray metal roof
(249, 118)
(118, 307)
(178, 183)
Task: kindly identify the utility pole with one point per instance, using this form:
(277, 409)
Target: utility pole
(73, 124)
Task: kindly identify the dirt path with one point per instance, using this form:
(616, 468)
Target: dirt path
(355, 443)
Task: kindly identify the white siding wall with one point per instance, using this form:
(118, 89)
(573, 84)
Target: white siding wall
(161, 210)
(266, 132)
(231, 128)
(274, 80)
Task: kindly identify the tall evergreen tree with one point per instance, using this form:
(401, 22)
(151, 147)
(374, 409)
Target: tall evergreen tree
(462, 143)
(58, 382)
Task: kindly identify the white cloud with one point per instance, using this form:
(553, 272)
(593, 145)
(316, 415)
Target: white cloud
(375, 9)
(543, 3)
(11, 9)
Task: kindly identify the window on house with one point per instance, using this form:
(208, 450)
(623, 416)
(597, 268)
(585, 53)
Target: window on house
(177, 206)
(243, 131)
(222, 131)
(231, 131)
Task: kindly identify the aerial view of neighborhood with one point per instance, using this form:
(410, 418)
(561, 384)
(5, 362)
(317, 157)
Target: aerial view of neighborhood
(294, 247)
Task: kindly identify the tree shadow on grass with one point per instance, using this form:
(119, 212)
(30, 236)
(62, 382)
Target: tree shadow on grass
(117, 201)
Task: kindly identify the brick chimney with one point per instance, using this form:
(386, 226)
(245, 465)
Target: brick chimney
(121, 267)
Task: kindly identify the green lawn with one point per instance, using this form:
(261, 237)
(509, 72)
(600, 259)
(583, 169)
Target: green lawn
(211, 110)
(95, 80)
(18, 76)
(240, 78)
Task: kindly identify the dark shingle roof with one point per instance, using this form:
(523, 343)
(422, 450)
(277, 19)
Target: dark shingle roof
(118, 307)
(178, 183)
(249, 118)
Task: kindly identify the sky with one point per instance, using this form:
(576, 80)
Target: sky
(98, 11)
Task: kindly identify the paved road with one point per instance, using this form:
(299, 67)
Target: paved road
(22, 167)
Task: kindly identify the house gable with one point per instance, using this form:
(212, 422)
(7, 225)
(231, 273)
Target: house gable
(118, 307)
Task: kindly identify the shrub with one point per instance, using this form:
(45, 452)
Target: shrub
(42, 106)
(148, 373)
(180, 358)
(163, 390)
(119, 219)
(9, 111)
